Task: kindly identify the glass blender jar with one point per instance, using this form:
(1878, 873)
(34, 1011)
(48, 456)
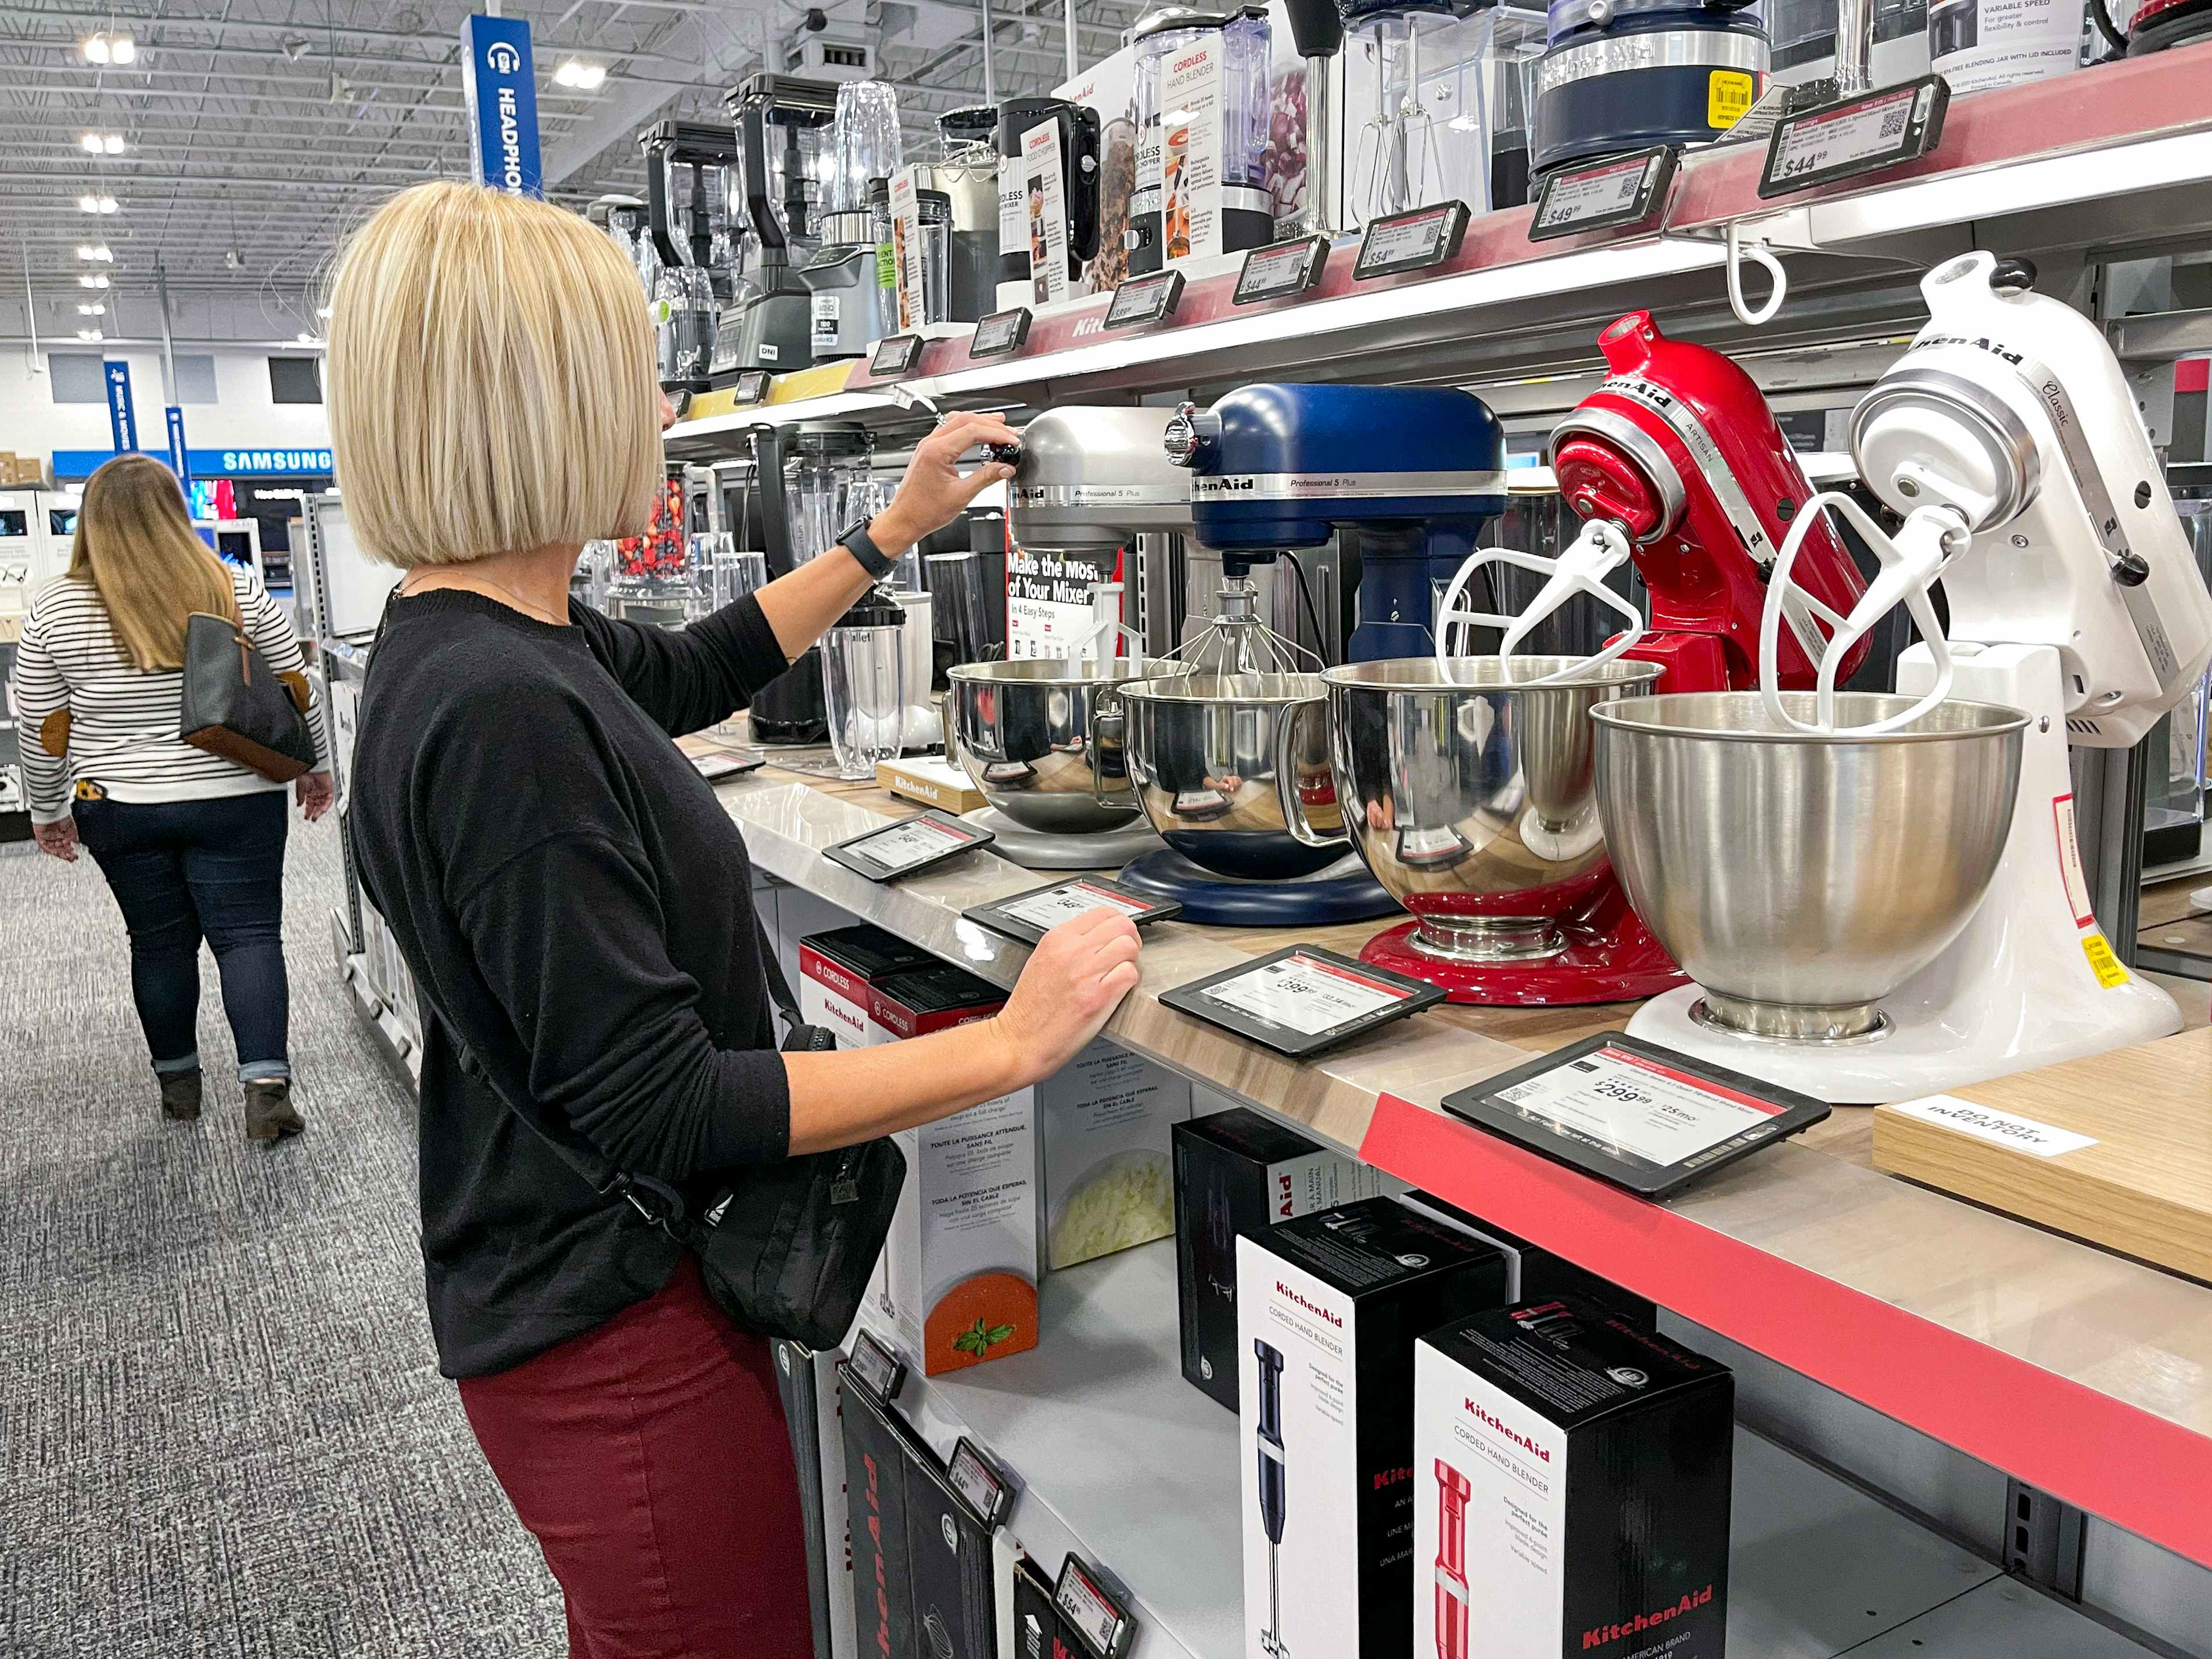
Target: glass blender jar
(864, 671)
(1201, 96)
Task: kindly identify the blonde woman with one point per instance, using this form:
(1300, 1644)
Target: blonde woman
(576, 907)
(192, 845)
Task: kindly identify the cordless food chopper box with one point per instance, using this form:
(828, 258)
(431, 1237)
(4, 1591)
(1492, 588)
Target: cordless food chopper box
(1328, 1308)
(878, 1444)
(957, 1282)
(949, 1565)
(1572, 1470)
(837, 973)
(1106, 1122)
(1238, 1172)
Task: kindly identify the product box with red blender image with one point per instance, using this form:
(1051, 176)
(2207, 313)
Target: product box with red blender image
(1571, 1472)
(957, 1283)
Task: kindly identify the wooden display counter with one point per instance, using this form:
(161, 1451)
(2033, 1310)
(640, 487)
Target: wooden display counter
(2083, 1372)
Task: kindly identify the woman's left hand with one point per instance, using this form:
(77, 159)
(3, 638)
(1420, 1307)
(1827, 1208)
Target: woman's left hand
(934, 491)
(57, 838)
(316, 793)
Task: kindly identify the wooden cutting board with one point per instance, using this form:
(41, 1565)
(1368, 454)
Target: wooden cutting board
(2143, 1185)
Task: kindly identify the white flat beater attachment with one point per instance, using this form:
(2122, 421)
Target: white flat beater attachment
(1600, 549)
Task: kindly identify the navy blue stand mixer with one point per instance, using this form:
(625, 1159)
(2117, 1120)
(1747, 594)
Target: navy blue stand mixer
(1417, 473)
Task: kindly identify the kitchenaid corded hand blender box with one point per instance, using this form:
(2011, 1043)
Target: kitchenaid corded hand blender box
(1237, 1172)
(1328, 1308)
(957, 1283)
(1571, 1472)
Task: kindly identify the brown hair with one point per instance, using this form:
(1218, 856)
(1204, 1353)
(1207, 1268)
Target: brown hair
(135, 544)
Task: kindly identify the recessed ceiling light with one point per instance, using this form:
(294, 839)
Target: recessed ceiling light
(575, 72)
(90, 334)
(108, 49)
(102, 143)
(92, 311)
(90, 203)
(92, 281)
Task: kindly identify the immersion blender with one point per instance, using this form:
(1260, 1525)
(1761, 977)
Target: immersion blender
(1452, 1494)
(1274, 1504)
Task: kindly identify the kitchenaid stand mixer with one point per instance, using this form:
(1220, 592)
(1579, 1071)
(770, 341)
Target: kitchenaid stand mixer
(2009, 437)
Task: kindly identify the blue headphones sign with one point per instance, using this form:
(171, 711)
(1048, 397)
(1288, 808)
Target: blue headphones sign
(122, 415)
(501, 82)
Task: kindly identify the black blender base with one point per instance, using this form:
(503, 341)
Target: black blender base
(1343, 893)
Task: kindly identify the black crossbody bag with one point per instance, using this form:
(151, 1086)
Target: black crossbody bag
(786, 1249)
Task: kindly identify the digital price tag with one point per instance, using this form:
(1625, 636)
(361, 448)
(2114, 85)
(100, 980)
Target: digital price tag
(715, 761)
(1627, 190)
(1410, 241)
(1030, 915)
(1000, 333)
(877, 1366)
(1635, 1113)
(1144, 300)
(894, 355)
(1859, 135)
(1280, 269)
(1095, 1613)
(977, 1481)
(751, 387)
(916, 843)
(1303, 1000)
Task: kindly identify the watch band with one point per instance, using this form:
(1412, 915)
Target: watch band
(862, 546)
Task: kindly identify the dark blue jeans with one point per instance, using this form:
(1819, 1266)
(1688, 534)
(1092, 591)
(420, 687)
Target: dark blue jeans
(188, 870)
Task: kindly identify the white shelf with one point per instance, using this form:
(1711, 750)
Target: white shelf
(1124, 1460)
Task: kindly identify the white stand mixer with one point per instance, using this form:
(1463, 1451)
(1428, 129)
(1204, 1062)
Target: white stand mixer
(2007, 427)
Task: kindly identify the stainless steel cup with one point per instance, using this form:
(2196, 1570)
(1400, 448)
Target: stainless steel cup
(1211, 755)
(1472, 798)
(1799, 878)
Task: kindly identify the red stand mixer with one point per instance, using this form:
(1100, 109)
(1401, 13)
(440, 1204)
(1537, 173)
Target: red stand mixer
(1675, 462)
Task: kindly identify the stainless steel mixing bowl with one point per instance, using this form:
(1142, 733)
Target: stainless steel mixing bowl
(1024, 733)
(1204, 750)
(1473, 799)
(1800, 878)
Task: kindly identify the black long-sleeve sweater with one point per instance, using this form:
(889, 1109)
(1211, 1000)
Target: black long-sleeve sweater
(577, 911)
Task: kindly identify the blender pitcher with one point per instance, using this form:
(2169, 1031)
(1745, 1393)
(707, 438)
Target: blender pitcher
(863, 683)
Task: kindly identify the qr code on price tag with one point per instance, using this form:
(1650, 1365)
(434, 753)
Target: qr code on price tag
(1893, 120)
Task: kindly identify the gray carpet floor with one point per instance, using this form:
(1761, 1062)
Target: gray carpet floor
(222, 1428)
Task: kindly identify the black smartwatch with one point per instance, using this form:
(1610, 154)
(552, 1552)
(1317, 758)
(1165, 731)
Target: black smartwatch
(862, 546)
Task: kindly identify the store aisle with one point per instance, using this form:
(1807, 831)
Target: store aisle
(221, 1429)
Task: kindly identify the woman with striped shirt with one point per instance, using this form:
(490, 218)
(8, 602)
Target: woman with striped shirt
(192, 845)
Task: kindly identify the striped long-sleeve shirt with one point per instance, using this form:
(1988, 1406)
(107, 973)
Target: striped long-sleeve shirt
(85, 711)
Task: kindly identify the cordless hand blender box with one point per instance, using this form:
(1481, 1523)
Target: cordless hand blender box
(808, 1384)
(949, 1565)
(1328, 1308)
(957, 1283)
(1572, 1469)
(1238, 1172)
(878, 1443)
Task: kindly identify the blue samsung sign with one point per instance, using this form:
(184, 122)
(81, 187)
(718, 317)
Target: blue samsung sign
(122, 418)
(211, 463)
(501, 79)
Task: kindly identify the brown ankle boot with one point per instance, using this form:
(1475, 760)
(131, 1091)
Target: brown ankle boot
(180, 1094)
(270, 1113)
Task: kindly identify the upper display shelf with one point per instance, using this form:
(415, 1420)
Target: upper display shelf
(2113, 161)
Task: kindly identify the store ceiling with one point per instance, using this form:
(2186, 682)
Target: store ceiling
(257, 131)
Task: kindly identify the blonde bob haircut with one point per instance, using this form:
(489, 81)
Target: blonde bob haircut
(492, 380)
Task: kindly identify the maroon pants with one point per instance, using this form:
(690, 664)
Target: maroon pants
(650, 1459)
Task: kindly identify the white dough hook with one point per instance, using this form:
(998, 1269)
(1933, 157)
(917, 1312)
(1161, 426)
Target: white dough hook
(1600, 549)
(1755, 250)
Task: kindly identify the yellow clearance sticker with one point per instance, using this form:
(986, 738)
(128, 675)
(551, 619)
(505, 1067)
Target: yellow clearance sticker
(2102, 962)
(1728, 98)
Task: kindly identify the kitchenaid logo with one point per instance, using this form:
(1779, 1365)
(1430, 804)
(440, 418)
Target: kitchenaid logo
(1980, 343)
(1242, 485)
(1285, 1209)
(1542, 1454)
(1385, 1479)
(1647, 1621)
(1633, 386)
(883, 1631)
(1313, 1307)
